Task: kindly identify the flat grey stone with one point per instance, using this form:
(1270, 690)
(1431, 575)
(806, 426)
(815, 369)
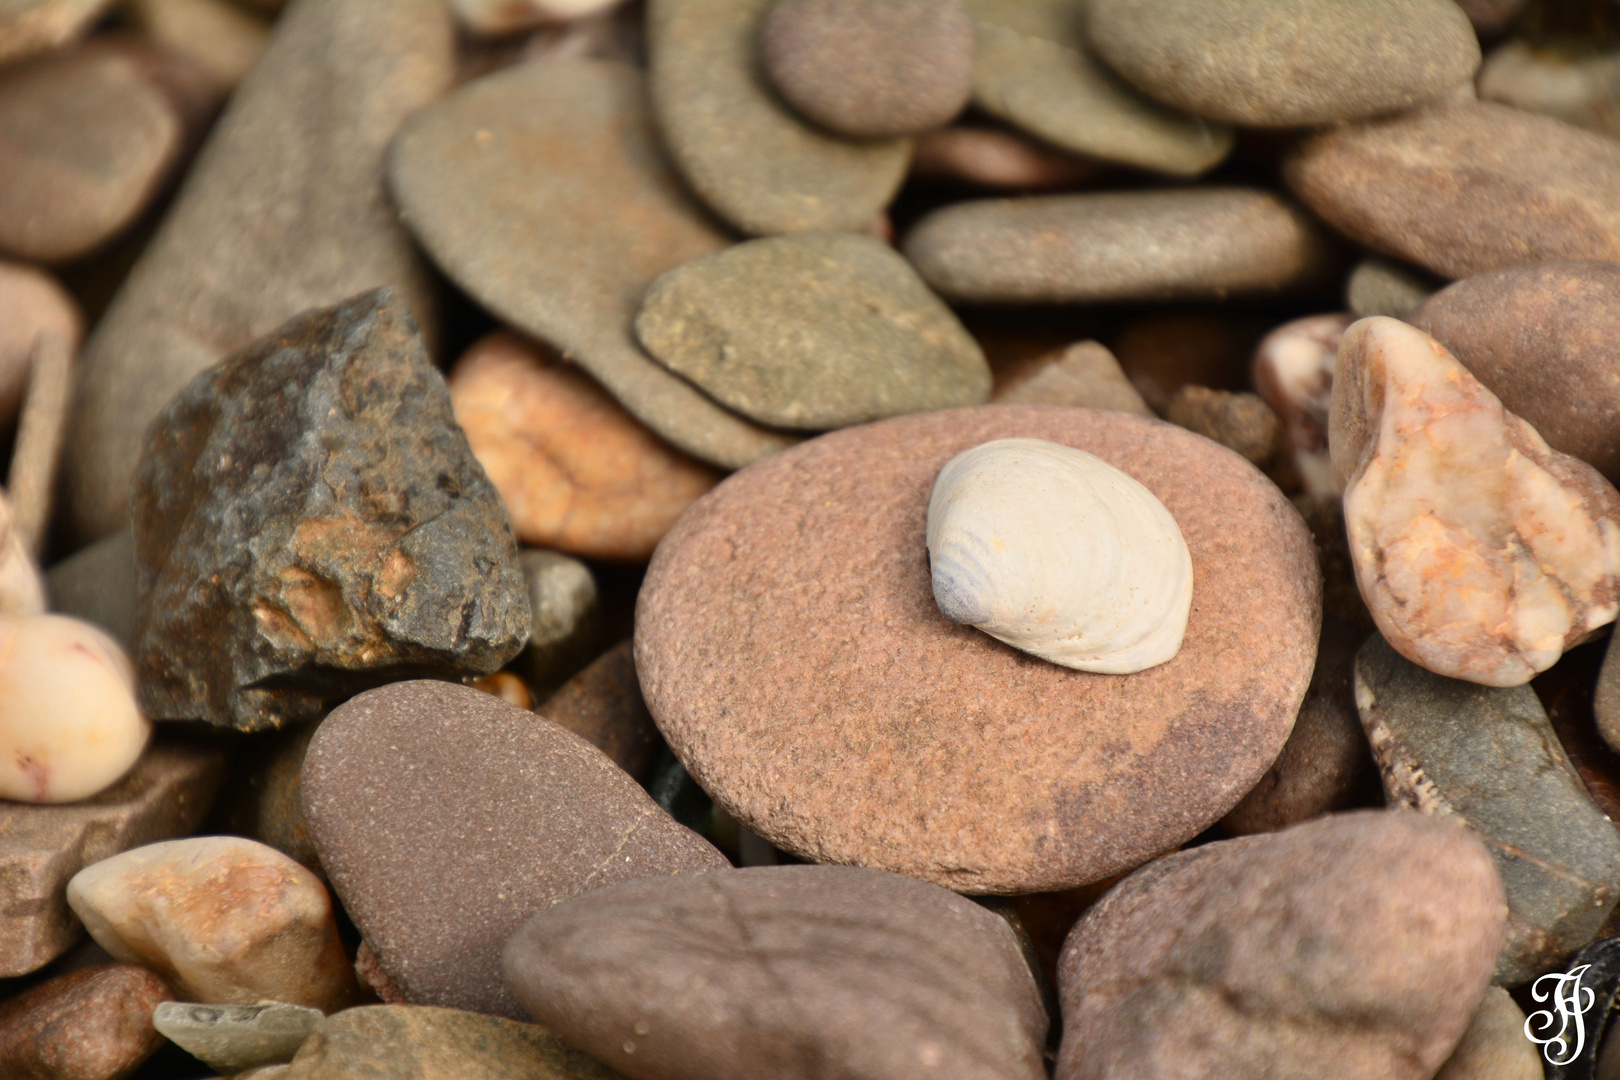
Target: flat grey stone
(230, 1038)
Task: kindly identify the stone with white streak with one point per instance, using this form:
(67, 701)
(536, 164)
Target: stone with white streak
(1482, 552)
(1293, 370)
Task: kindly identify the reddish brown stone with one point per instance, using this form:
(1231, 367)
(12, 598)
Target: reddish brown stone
(791, 651)
(603, 706)
(996, 158)
(90, 1024)
(1164, 352)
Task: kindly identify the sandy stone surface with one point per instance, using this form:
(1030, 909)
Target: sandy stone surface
(91, 1024)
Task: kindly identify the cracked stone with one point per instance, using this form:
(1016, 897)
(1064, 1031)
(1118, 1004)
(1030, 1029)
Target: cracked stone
(445, 817)
(310, 522)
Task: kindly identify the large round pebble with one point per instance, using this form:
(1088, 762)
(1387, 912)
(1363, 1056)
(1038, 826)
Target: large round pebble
(791, 651)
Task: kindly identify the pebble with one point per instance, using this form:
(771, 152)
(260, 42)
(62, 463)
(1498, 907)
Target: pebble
(32, 304)
(412, 1042)
(69, 725)
(97, 584)
(22, 589)
(167, 794)
(1085, 375)
(576, 471)
(36, 448)
(541, 191)
(221, 38)
(1606, 703)
(812, 332)
(1482, 553)
(801, 587)
(743, 151)
(1465, 187)
(91, 1024)
(225, 919)
(264, 796)
(283, 211)
(603, 706)
(870, 71)
(344, 537)
(567, 626)
(1379, 286)
(1293, 370)
(1034, 70)
(845, 972)
(230, 1038)
(1579, 87)
(427, 799)
(1541, 339)
(991, 157)
(1285, 63)
(1241, 422)
(1163, 352)
(28, 27)
(1494, 1046)
(1140, 245)
(1355, 946)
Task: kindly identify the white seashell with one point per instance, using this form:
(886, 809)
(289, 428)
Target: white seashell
(1059, 554)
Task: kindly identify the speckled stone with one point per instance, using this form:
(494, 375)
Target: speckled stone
(603, 706)
(1494, 1046)
(541, 190)
(1140, 245)
(788, 972)
(1085, 375)
(1286, 63)
(445, 817)
(746, 154)
(1357, 946)
(791, 651)
(1542, 339)
(91, 1024)
(1465, 187)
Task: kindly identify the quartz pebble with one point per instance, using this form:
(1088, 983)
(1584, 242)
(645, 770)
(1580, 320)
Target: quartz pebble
(1084, 375)
(91, 1024)
(69, 725)
(1578, 87)
(567, 626)
(1293, 370)
(229, 1038)
(1482, 553)
(1292, 954)
(575, 471)
(603, 706)
(791, 972)
(1379, 286)
(227, 920)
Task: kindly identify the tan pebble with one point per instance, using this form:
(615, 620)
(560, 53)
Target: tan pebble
(34, 26)
(506, 686)
(221, 38)
(1293, 370)
(1084, 375)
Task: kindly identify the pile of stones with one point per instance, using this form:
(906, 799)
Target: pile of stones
(467, 467)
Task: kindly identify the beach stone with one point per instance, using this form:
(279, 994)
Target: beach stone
(812, 332)
(32, 305)
(229, 1038)
(1288, 955)
(1139, 245)
(870, 71)
(991, 157)
(1293, 370)
(1285, 63)
(425, 798)
(1033, 69)
(1162, 352)
(69, 725)
(792, 972)
(292, 556)
(1494, 1046)
(283, 211)
(410, 1042)
(97, 584)
(373, 976)
(1379, 286)
(264, 798)
(225, 919)
(28, 27)
(22, 589)
(541, 190)
(603, 706)
(567, 625)
(1465, 187)
(1085, 375)
(1018, 772)
(739, 146)
(575, 470)
(221, 38)
(1241, 422)
(167, 794)
(1540, 338)
(91, 1024)
(1482, 553)
(1578, 86)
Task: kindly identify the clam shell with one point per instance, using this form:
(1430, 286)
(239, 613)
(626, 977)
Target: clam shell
(1058, 554)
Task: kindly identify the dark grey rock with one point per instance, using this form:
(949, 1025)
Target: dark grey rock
(1489, 758)
(310, 521)
(567, 627)
(97, 584)
(230, 1038)
(812, 332)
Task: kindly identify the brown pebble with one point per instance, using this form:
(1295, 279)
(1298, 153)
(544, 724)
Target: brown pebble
(603, 706)
(1085, 375)
(1241, 422)
(991, 157)
(91, 1024)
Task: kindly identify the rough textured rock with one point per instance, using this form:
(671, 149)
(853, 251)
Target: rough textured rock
(1494, 1046)
(743, 151)
(229, 1038)
(567, 626)
(283, 211)
(603, 706)
(1578, 86)
(1465, 187)
(91, 1024)
(871, 71)
(574, 469)
(414, 1043)
(1541, 338)
(1488, 758)
(1033, 69)
(1288, 955)
(991, 157)
(1241, 422)
(1139, 245)
(1085, 375)
(1293, 370)
(34, 26)
(790, 648)
(1286, 63)
(542, 191)
(97, 584)
(41, 847)
(1380, 286)
(226, 920)
(812, 332)
(792, 972)
(1481, 552)
(426, 799)
(32, 305)
(292, 555)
